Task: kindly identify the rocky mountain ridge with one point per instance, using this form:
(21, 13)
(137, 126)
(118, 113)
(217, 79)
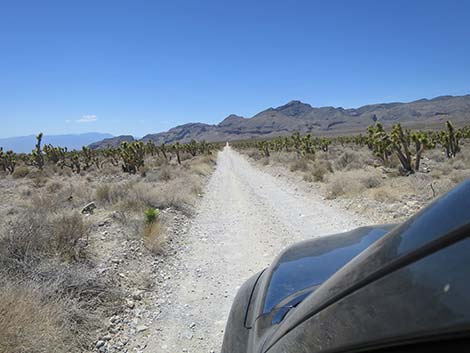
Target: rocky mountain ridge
(302, 117)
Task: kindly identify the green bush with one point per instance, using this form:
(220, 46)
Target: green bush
(151, 215)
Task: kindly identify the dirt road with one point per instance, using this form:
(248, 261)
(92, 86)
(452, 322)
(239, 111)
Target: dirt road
(245, 218)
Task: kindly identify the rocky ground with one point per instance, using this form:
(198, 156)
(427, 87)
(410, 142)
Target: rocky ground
(356, 181)
(142, 275)
(93, 275)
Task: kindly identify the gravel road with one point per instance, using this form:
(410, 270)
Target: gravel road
(245, 219)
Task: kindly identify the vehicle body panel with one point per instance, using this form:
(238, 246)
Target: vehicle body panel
(388, 281)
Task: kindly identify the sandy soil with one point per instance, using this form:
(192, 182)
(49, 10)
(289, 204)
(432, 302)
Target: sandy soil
(245, 219)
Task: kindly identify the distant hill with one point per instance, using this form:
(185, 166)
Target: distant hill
(302, 117)
(111, 142)
(25, 144)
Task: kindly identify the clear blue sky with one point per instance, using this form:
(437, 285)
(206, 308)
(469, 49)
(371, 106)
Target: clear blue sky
(139, 67)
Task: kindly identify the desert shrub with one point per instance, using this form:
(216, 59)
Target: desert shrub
(20, 172)
(65, 172)
(458, 176)
(342, 184)
(321, 167)
(436, 155)
(283, 158)
(24, 243)
(201, 167)
(143, 171)
(69, 235)
(300, 164)
(254, 154)
(179, 194)
(349, 160)
(371, 181)
(384, 194)
(152, 235)
(54, 186)
(45, 202)
(264, 160)
(31, 323)
(165, 173)
(35, 237)
(103, 193)
(459, 165)
(39, 178)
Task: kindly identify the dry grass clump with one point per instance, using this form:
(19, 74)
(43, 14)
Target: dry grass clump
(34, 237)
(370, 180)
(179, 189)
(103, 193)
(49, 297)
(201, 166)
(153, 236)
(320, 169)
(70, 235)
(352, 182)
(20, 172)
(342, 184)
(165, 173)
(177, 193)
(301, 164)
(31, 323)
(384, 194)
(349, 160)
(458, 176)
(54, 186)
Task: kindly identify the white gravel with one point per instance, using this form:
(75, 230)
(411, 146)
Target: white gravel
(245, 219)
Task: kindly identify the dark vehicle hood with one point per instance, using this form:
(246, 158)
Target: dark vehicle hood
(444, 222)
(299, 271)
(310, 263)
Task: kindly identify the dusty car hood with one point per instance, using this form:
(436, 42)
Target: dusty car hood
(310, 263)
(444, 222)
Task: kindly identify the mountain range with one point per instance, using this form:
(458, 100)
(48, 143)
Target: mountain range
(25, 144)
(302, 117)
(282, 120)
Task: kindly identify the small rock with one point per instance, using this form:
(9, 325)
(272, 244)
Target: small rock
(141, 328)
(89, 208)
(137, 295)
(130, 304)
(100, 344)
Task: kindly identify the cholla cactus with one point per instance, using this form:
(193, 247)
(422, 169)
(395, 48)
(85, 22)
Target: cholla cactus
(379, 142)
(323, 144)
(89, 157)
(401, 146)
(164, 150)
(132, 155)
(177, 148)
(7, 161)
(422, 142)
(450, 140)
(151, 148)
(37, 158)
(112, 155)
(192, 147)
(53, 154)
(263, 147)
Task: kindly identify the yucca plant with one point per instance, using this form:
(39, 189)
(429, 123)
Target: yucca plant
(151, 215)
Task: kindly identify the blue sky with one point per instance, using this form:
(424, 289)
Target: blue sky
(138, 67)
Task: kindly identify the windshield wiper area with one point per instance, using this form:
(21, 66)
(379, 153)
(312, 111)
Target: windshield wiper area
(282, 309)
